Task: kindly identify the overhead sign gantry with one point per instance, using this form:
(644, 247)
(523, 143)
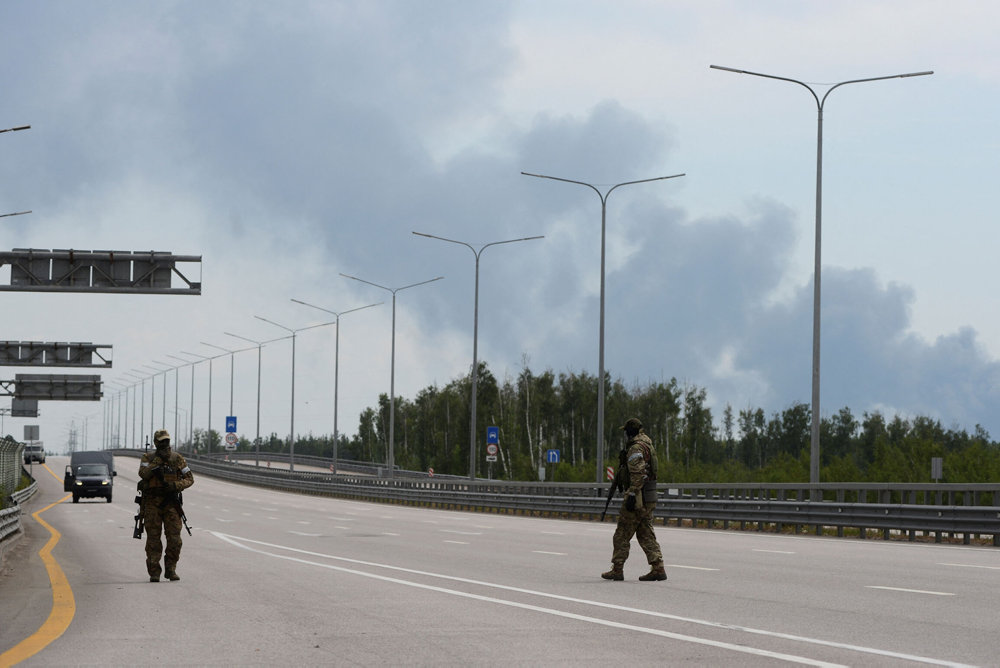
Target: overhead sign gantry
(128, 272)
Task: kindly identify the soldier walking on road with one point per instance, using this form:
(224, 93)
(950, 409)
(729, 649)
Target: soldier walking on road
(164, 475)
(636, 477)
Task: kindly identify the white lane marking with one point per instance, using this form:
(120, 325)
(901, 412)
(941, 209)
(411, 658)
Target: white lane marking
(300, 533)
(389, 533)
(344, 528)
(548, 611)
(219, 519)
(270, 517)
(558, 554)
(692, 568)
(481, 526)
(553, 533)
(990, 568)
(341, 519)
(774, 551)
(246, 514)
(303, 522)
(456, 542)
(911, 591)
(652, 613)
(462, 533)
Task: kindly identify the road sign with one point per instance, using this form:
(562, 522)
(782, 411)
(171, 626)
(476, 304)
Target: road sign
(492, 449)
(610, 472)
(230, 424)
(552, 456)
(493, 435)
(231, 439)
(56, 387)
(24, 407)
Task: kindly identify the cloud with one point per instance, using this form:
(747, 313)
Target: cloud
(288, 146)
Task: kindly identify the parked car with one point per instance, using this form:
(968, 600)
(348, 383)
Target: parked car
(88, 480)
(34, 453)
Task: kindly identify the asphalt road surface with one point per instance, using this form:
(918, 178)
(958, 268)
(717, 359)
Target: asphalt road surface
(278, 579)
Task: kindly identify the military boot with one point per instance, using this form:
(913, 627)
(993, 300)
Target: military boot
(171, 574)
(655, 573)
(615, 573)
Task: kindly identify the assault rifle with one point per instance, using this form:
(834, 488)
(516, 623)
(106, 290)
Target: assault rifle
(616, 483)
(139, 519)
(180, 511)
(611, 493)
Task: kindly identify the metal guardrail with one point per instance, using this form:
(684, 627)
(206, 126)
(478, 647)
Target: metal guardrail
(11, 455)
(971, 511)
(10, 518)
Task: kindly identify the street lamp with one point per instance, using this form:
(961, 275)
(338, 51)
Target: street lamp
(814, 458)
(291, 433)
(208, 432)
(392, 365)
(232, 355)
(475, 339)
(336, 367)
(177, 384)
(142, 404)
(164, 372)
(600, 357)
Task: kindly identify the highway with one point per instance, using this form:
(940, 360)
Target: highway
(271, 578)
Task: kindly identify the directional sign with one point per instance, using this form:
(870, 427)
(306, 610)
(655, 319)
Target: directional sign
(493, 435)
(230, 424)
(56, 387)
(552, 456)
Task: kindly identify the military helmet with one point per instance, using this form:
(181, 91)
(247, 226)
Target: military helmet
(161, 435)
(632, 425)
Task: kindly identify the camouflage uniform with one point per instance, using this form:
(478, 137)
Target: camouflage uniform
(164, 474)
(636, 476)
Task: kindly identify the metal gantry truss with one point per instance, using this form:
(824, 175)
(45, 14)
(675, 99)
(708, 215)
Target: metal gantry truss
(139, 272)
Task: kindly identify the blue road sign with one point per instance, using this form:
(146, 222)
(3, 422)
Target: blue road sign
(230, 424)
(492, 435)
(552, 456)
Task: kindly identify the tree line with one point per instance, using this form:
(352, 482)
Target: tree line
(536, 412)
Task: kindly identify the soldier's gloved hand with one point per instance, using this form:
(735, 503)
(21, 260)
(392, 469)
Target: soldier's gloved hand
(630, 501)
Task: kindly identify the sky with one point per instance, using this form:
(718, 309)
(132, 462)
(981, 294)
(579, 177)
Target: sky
(290, 143)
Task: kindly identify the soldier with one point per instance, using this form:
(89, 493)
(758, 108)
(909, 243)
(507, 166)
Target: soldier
(636, 476)
(164, 474)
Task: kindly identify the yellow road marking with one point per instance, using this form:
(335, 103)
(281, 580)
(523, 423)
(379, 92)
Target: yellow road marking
(63, 603)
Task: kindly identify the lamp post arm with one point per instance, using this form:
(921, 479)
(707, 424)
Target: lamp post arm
(319, 308)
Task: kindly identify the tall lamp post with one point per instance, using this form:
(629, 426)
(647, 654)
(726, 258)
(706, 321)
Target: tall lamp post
(164, 400)
(291, 432)
(475, 338)
(142, 404)
(259, 345)
(336, 367)
(232, 355)
(600, 357)
(176, 385)
(208, 430)
(814, 452)
(391, 463)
